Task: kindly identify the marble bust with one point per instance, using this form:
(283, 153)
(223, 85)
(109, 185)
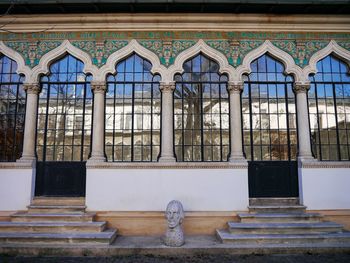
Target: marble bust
(174, 236)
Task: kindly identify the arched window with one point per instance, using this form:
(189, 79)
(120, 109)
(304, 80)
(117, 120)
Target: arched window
(268, 109)
(201, 108)
(329, 108)
(12, 111)
(133, 112)
(64, 113)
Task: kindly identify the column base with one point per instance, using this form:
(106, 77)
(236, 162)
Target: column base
(306, 159)
(237, 159)
(27, 159)
(97, 159)
(167, 159)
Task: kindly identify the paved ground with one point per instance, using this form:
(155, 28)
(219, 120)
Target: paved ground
(323, 258)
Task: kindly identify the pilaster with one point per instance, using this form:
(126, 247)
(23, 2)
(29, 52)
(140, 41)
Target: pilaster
(236, 151)
(32, 90)
(167, 139)
(97, 152)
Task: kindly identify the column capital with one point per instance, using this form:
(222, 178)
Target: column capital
(167, 87)
(301, 87)
(98, 87)
(235, 87)
(32, 88)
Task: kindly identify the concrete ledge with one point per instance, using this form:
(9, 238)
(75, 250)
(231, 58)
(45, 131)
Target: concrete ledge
(194, 245)
(157, 165)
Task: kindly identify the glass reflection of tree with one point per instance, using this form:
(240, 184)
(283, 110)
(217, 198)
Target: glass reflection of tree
(201, 112)
(268, 109)
(12, 110)
(65, 108)
(133, 112)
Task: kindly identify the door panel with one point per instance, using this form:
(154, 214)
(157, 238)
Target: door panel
(60, 179)
(273, 179)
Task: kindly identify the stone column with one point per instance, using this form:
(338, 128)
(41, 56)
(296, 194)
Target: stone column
(235, 90)
(304, 142)
(32, 90)
(167, 140)
(97, 152)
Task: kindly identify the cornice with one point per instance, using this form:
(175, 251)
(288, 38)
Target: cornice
(16, 165)
(195, 22)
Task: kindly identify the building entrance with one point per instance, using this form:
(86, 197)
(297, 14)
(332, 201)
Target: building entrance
(269, 127)
(63, 130)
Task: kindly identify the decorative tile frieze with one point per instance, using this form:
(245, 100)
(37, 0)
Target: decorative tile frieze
(167, 50)
(234, 50)
(100, 50)
(300, 50)
(32, 51)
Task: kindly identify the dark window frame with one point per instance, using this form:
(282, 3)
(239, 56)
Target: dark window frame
(124, 79)
(221, 83)
(13, 151)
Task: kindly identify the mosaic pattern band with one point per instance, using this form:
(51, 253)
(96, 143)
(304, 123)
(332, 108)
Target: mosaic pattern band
(167, 45)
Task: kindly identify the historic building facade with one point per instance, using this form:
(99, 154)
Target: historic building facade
(132, 111)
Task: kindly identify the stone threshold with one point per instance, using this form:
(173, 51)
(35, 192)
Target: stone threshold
(142, 245)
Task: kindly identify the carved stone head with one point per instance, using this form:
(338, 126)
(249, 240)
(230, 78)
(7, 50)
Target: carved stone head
(174, 214)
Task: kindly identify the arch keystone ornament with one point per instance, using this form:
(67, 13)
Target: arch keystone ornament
(331, 48)
(132, 47)
(287, 60)
(167, 139)
(65, 48)
(201, 47)
(236, 150)
(32, 90)
(97, 152)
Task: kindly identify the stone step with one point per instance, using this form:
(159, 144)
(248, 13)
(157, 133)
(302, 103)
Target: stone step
(35, 209)
(274, 201)
(58, 201)
(284, 228)
(277, 208)
(52, 227)
(279, 217)
(106, 237)
(54, 217)
(226, 237)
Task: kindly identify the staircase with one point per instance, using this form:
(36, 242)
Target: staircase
(277, 221)
(56, 220)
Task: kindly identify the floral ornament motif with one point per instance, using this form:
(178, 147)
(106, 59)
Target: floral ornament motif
(234, 50)
(100, 50)
(345, 45)
(33, 51)
(167, 50)
(301, 50)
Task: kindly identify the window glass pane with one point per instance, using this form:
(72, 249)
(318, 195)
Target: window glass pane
(65, 112)
(12, 111)
(201, 108)
(134, 108)
(328, 106)
(269, 112)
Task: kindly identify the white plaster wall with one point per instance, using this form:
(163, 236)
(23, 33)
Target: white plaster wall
(16, 189)
(325, 188)
(152, 189)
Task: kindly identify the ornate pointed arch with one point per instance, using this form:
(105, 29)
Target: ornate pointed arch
(66, 47)
(21, 66)
(201, 47)
(132, 47)
(267, 47)
(331, 48)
